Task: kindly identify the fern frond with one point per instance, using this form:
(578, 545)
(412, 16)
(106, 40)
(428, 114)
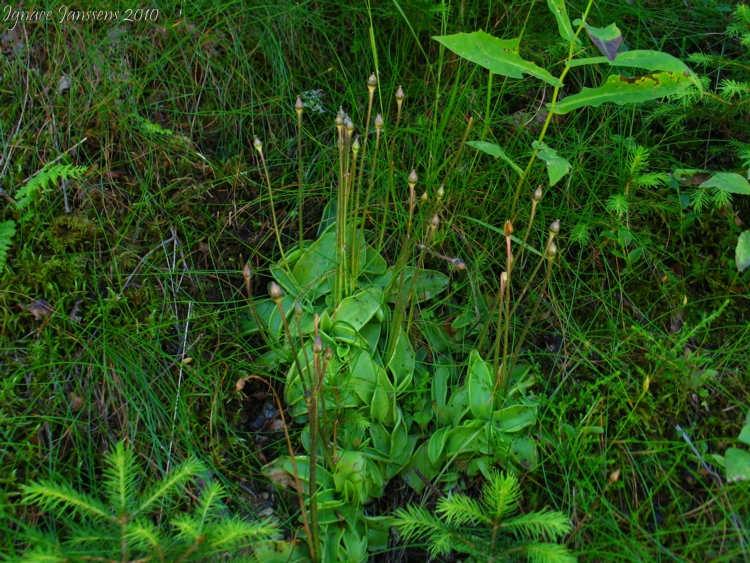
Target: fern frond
(617, 204)
(460, 509)
(142, 534)
(734, 89)
(703, 59)
(699, 199)
(638, 159)
(415, 522)
(652, 179)
(120, 478)
(7, 230)
(52, 174)
(209, 503)
(549, 553)
(235, 532)
(535, 524)
(501, 495)
(721, 198)
(580, 234)
(179, 477)
(55, 496)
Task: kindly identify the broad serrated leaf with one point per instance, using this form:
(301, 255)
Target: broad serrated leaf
(650, 60)
(557, 166)
(607, 39)
(498, 55)
(728, 182)
(742, 254)
(557, 7)
(496, 151)
(620, 90)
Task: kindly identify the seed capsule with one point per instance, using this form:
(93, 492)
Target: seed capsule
(459, 264)
(537, 195)
(339, 119)
(424, 197)
(413, 178)
(400, 95)
(317, 346)
(275, 291)
(257, 144)
(552, 250)
(508, 228)
(299, 106)
(298, 311)
(247, 271)
(435, 221)
(441, 192)
(328, 354)
(554, 228)
(379, 122)
(372, 82)
(355, 144)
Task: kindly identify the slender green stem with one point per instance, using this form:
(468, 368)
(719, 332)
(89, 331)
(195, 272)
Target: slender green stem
(487, 109)
(517, 350)
(553, 102)
(273, 209)
(391, 188)
(498, 332)
(401, 299)
(299, 175)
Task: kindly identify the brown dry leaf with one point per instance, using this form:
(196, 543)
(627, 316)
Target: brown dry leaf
(280, 477)
(74, 312)
(39, 308)
(76, 402)
(276, 425)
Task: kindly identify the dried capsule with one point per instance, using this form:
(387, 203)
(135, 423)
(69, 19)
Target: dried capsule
(372, 82)
(257, 144)
(614, 476)
(247, 271)
(299, 106)
(554, 228)
(317, 346)
(275, 291)
(435, 221)
(413, 178)
(552, 250)
(379, 122)
(537, 195)
(459, 264)
(508, 228)
(240, 385)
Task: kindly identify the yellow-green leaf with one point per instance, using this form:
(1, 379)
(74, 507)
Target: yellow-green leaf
(620, 90)
(498, 55)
